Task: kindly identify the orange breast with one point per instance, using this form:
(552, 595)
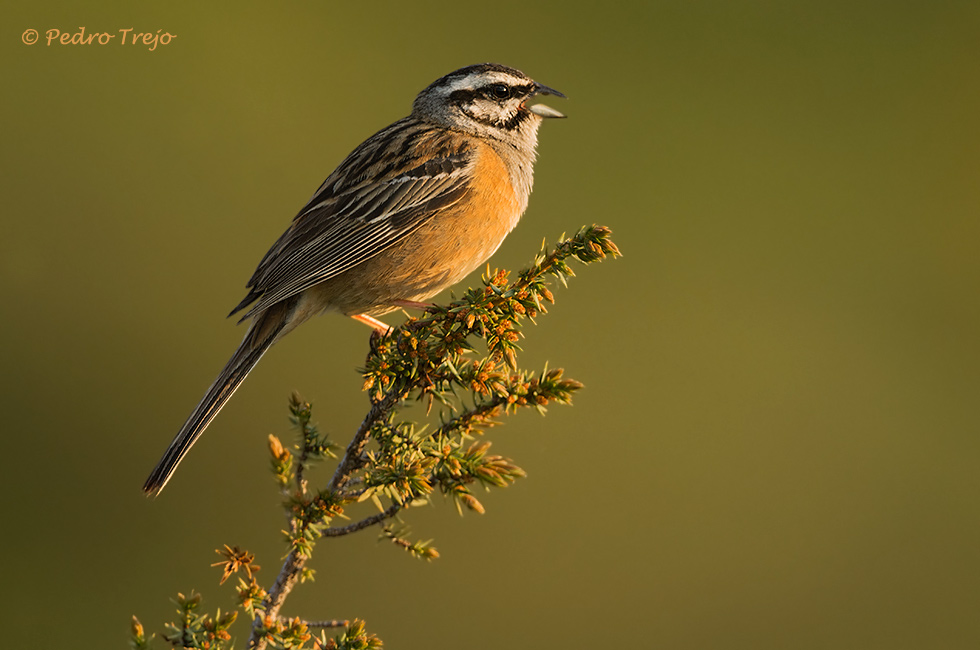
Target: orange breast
(437, 255)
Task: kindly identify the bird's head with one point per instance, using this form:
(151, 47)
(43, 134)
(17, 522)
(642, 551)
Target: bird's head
(487, 100)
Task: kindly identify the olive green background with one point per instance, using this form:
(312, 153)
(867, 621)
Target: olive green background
(778, 443)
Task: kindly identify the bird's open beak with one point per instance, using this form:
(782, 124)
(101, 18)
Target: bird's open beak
(541, 109)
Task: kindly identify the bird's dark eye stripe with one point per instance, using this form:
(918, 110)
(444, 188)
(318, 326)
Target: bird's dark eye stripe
(469, 95)
(465, 96)
(502, 91)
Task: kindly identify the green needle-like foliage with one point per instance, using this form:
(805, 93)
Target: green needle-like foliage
(460, 361)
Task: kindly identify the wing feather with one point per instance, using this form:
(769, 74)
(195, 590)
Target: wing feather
(360, 210)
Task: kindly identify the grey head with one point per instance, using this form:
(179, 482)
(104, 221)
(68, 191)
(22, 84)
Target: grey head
(487, 100)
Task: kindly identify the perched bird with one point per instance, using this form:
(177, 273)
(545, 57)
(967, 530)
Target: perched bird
(411, 211)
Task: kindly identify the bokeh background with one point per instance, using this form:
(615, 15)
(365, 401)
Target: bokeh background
(778, 443)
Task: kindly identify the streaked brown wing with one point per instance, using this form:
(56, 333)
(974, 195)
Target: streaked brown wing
(360, 210)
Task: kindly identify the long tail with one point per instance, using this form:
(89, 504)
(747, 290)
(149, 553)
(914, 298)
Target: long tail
(266, 328)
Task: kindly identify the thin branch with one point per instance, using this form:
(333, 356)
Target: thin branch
(364, 523)
(301, 466)
(352, 457)
(285, 581)
(350, 496)
(465, 419)
(354, 482)
(337, 622)
(295, 561)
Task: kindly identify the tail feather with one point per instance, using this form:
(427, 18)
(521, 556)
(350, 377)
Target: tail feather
(258, 339)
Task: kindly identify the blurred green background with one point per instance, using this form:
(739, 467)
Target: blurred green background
(778, 443)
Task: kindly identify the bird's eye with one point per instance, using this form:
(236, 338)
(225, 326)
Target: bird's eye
(500, 91)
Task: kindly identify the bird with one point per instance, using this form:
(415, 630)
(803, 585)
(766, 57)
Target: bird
(411, 211)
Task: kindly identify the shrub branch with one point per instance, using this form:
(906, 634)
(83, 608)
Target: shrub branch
(466, 349)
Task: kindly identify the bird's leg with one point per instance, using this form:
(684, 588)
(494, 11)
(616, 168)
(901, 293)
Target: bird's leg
(372, 322)
(384, 328)
(411, 304)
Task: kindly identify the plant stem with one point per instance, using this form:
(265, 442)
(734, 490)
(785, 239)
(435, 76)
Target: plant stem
(295, 561)
(352, 457)
(364, 523)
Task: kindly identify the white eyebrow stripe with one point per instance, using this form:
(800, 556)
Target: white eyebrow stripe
(467, 82)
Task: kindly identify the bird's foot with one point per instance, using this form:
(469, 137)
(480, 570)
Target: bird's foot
(372, 322)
